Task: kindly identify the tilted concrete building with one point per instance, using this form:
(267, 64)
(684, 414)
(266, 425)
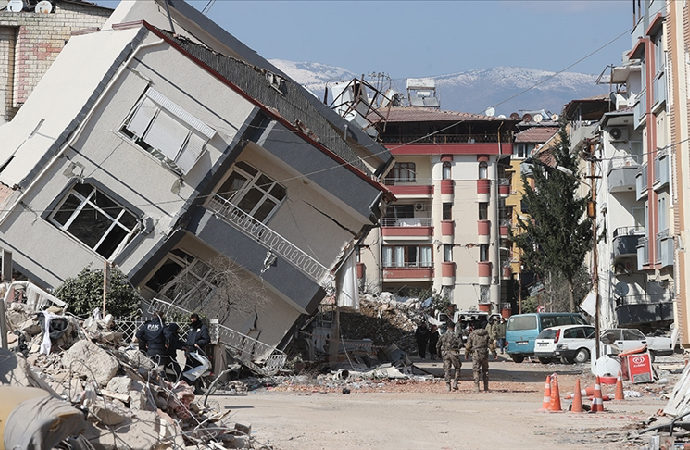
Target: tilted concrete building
(162, 155)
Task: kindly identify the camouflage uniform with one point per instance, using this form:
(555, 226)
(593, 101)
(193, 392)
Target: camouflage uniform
(448, 346)
(492, 329)
(478, 345)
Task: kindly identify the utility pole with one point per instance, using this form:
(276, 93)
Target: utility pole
(592, 213)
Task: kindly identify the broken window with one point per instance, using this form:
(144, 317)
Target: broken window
(252, 191)
(183, 279)
(96, 220)
(167, 131)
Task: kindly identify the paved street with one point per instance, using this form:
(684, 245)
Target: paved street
(435, 419)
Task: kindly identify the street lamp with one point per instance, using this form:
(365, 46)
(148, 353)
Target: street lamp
(592, 214)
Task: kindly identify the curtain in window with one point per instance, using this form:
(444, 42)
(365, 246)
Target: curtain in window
(425, 256)
(387, 256)
(399, 257)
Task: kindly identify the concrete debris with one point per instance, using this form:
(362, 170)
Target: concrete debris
(90, 361)
(124, 401)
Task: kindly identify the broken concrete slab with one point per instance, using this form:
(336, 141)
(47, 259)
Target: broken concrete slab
(119, 385)
(90, 361)
(108, 413)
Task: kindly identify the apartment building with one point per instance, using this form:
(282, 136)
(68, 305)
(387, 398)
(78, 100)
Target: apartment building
(444, 232)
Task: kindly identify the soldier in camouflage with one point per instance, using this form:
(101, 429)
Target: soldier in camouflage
(478, 345)
(448, 347)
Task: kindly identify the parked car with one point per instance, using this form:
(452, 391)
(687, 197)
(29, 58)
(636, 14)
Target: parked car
(623, 339)
(522, 330)
(569, 343)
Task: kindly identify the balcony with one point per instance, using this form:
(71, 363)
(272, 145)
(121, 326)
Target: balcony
(484, 231)
(271, 240)
(360, 269)
(439, 138)
(410, 227)
(662, 169)
(637, 309)
(447, 227)
(484, 272)
(448, 273)
(404, 187)
(622, 172)
(447, 187)
(641, 182)
(504, 228)
(410, 271)
(503, 187)
(625, 242)
(659, 91)
(642, 253)
(483, 190)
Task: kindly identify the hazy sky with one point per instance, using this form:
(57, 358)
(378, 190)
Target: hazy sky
(409, 38)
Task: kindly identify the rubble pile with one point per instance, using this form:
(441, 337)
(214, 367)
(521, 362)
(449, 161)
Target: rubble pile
(124, 401)
(384, 320)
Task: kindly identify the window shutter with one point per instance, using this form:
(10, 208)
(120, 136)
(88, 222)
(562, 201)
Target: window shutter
(191, 153)
(142, 117)
(166, 135)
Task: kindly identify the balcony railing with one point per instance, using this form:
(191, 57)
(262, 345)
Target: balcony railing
(644, 299)
(407, 181)
(476, 138)
(408, 265)
(271, 240)
(620, 162)
(411, 222)
(625, 241)
(640, 109)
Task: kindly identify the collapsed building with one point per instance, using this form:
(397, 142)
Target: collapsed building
(164, 146)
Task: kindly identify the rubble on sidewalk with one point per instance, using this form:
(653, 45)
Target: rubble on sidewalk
(124, 401)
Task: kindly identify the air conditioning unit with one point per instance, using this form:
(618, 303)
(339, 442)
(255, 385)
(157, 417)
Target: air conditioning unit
(419, 207)
(618, 134)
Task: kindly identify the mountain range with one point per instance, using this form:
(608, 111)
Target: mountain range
(508, 89)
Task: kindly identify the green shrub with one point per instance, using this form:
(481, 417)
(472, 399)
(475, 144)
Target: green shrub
(85, 292)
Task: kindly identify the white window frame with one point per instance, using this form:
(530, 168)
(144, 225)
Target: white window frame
(252, 183)
(88, 203)
(180, 158)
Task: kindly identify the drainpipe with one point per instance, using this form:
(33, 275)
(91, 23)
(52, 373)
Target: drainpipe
(496, 228)
(80, 128)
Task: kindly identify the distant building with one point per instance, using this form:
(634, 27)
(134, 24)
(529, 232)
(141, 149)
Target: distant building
(444, 232)
(30, 42)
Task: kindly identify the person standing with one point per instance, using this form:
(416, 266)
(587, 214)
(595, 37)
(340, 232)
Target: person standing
(422, 337)
(433, 340)
(448, 347)
(478, 345)
(501, 335)
(151, 338)
(197, 339)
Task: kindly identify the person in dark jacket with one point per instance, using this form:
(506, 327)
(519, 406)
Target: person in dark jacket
(172, 344)
(422, 337)
(197, 339)
(151, 338)
(433, 340)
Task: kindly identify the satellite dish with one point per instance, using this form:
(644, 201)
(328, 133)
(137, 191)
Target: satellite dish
(502, 116)
(44, 7)
(621, 289)
(514, 116)
(490, 111)
(554, 117)
(527, 117)
(15, 6)
(538, 118)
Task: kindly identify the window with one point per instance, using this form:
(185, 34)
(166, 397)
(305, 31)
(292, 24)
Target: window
(183, 279)
(521, 323)
(662, 213)
(483, 211)
(167, 131)
(400, 212)
(522, 150)
(402, 171)
(483, 252)
(484, 294)
(633, 335)
(447, 211)
(447, 252)
(252, 191)
(96, 220)
(483, 171)
(446, 171)
(406, 256)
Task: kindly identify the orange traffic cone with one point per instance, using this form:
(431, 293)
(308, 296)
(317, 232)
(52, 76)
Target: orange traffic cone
(555, 403)
(598, 403)
(619, 388)
(547, 394)
(576, 406)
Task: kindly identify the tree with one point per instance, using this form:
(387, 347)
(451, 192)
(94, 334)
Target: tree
(557, 234)
(84, 293)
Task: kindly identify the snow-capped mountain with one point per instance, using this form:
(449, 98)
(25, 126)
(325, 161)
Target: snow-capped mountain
(508, 89)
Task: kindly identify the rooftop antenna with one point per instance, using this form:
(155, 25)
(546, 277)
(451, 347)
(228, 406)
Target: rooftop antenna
(167, 10)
